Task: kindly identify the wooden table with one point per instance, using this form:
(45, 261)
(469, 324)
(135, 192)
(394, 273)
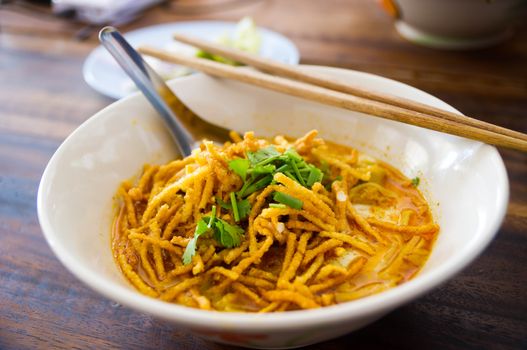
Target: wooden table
(43, 98)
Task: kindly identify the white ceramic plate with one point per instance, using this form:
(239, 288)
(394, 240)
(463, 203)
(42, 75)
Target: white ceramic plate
(103, 74)
(465, 182)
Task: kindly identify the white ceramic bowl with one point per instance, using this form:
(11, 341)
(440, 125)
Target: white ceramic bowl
(465, 182)
(457, 24)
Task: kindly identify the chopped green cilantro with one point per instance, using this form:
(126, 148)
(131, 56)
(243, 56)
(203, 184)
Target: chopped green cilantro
(262, 169)
(259, 168)
(239, 166)
(244, 208)
(234, 205)
(224, 233)
(297, 173)
(212, 217)
(277, 205)
(227, 235)
(223, 204)
(315, 175)
(293, 154)
(263, 156)
(288, 200)
(201, 228)
(249, 188)
(415, 181)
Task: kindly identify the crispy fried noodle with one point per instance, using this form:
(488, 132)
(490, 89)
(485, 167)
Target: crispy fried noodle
(260, 225)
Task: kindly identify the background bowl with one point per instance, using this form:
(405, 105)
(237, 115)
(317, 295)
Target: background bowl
(456, 24)
(464, 181)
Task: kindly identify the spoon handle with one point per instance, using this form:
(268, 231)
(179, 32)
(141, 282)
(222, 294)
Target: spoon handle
(151, 85)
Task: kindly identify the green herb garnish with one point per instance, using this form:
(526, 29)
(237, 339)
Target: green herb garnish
(201, 228)
(227, 235)
(288, 200)
(244, 208)
(223, 204)
(258, 170)
(293, 154)
(251, 187)
(297, 173)
(224, 233)
(277, 205)
(263, 156)
(262, 169)
(415, 181)
(234, 205)
(315, 175)
(212, 219)
(239, 166)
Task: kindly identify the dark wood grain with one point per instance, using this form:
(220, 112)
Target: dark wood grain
(43, 98)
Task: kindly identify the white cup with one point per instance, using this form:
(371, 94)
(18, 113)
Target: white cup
(456, 24)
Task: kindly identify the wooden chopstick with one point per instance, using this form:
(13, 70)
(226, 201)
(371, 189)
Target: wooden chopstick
(294, 72)
(338, 99)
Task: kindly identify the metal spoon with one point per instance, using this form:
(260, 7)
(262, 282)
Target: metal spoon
(187, 128)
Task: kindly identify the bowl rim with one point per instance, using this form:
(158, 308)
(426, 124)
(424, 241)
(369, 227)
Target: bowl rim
(253, 322)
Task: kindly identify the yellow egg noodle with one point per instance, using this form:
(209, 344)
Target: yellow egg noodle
(260, 225)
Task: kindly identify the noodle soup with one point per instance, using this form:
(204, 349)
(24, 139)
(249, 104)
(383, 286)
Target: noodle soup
(260, 225)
